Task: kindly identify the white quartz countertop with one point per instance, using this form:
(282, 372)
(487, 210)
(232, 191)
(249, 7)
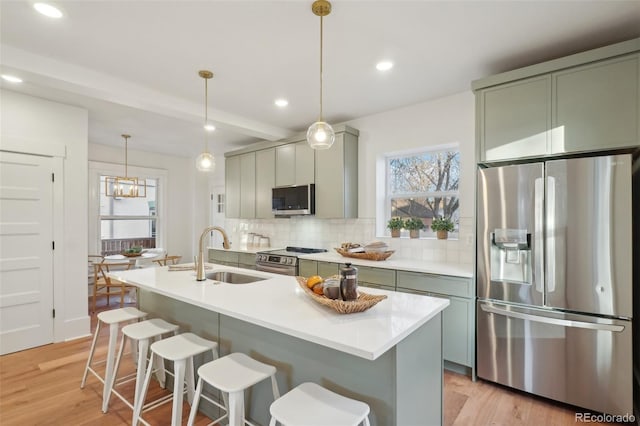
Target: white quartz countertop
(413, 265)
(278, 303)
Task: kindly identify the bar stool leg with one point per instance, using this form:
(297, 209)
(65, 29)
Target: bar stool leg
(108, 375)
(179, 373)
(139, 399)
(91, 351)
(143, 348)
(236, 408)
(116, 367)
(196, 402)
(189, 378)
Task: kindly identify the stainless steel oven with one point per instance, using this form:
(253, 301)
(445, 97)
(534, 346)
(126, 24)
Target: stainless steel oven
(284, 262)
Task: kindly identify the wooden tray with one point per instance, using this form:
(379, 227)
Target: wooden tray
(131, 254)
(361, 304)
(366, 256)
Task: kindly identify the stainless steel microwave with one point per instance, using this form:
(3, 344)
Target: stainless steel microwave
(294, 200)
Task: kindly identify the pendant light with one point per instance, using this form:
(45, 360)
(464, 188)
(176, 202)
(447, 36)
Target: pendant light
(320, 134)
(205, 161)
(125, 186)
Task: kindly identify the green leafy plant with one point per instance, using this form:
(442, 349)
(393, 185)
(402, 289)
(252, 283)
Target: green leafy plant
(395, 223)
(442, 224)
(414, 223)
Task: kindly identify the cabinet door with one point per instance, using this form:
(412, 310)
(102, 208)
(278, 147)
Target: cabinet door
(232, 186)
(285, 165)
(248, 185)
(451, 286)
(326, 269)
(596, 106)
(305, 161)
(330, 180)
(265, 181)
(307, 268)
(377, 277)
(514, 119)
(457, 326)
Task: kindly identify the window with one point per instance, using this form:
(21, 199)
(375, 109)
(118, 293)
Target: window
(423, 185)
(122, 223)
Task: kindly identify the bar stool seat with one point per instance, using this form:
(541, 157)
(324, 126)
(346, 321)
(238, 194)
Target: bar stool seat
(312, 405)
(180, 349)
(141, 332)
(113, 318)
(232, 374)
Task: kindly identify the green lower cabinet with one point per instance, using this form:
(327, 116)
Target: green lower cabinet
(327, 269)
(307, 268)
(232, 258)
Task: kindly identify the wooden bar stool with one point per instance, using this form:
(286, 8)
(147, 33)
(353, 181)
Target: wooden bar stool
(312, 405)
(113, 318)
(180, 349)
(232, 374)
(143, 333)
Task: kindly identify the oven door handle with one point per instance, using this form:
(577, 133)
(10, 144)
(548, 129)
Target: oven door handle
(274, 269)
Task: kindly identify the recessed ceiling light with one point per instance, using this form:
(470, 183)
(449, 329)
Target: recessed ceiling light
(48, 10)
(384, 65)
(281, 102)
(11, 78)
(209, 127)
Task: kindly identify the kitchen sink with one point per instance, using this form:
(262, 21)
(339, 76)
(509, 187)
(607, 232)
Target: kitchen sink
(232, 277)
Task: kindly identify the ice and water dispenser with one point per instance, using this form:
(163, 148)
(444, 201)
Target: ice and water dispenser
(511, 257)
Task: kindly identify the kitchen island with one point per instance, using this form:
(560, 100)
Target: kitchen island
(389, 356)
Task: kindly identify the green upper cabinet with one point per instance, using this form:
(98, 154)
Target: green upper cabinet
(248, 185)
(265, 181)
(295, 164)
(596, 106)
(585, 102)
(513, 119)
(337, 178)
(232, 186)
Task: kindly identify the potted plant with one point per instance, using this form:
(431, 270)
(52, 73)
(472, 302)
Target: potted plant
(442, 226)
(395, 224)
(414, 225)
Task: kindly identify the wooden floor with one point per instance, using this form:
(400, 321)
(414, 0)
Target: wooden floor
(41, 386)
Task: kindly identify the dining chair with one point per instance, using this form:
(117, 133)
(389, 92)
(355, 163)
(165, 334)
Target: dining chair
(91, 271)
(106, 286)
(168, 260)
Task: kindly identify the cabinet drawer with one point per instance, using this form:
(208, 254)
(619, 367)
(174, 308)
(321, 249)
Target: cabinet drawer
(307, 268)
(385, 277)
(220, 256)
(247, 258)
(326, 269)
(450, 286)
(375, 285)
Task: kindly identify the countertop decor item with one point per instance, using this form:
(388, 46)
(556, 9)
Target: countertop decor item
(320, 134)
(395, 224)
(205, 161)
(366, 256)
(442, 226)
(125, 186)
(361, 304)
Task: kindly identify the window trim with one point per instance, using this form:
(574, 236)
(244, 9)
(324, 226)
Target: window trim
(388, 196)
(97, 168)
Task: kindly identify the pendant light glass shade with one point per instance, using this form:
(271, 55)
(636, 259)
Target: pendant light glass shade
(205, 161)
(320, 134)
(125, 186)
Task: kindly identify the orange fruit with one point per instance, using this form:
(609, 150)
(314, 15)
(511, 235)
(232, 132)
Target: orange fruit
(313, 280)
(318, 289)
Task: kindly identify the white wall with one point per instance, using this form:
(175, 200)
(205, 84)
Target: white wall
(439, 122)
(34, 125)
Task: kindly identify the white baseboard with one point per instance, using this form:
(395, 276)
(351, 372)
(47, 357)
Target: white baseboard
(75, 328)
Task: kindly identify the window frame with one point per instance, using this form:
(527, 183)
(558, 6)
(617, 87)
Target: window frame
(389, 197)
(96, 169)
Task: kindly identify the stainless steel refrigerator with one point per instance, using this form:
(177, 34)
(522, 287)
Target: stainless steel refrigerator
(554, 280)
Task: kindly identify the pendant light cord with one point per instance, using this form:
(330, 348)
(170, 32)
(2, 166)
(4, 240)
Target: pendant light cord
(126, 146)
(206, 115)
(321, 37)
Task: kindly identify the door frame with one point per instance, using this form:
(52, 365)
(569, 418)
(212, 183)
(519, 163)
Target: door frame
(57, 153)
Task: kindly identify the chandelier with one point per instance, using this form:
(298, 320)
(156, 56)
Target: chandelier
(125, 186)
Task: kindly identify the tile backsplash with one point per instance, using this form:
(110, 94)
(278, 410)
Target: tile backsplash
(330, 233)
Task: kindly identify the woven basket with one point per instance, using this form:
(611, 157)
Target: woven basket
(367, 256)
(131, 254)
(361, 304)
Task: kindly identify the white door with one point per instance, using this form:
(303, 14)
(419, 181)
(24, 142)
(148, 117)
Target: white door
(26, 252)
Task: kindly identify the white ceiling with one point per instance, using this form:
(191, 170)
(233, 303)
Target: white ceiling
(134, 64)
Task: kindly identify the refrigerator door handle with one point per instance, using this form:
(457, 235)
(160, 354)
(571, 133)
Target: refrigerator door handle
(551, 237)
(538, 253)
(547, 320)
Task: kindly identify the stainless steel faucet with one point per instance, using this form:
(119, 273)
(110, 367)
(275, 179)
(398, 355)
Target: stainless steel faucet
(200, 259)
